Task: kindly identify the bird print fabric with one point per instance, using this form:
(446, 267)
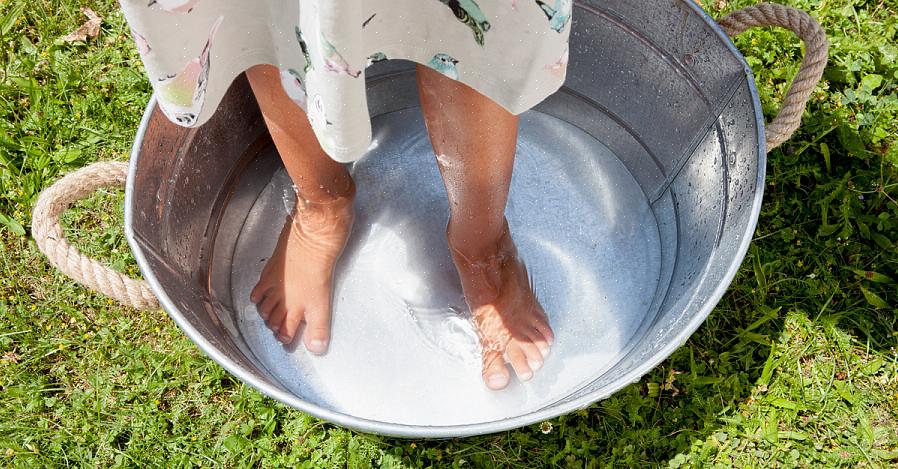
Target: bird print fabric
(513, 51)
(181, 95)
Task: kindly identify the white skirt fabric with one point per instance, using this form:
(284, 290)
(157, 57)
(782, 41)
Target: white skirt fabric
(513, 51)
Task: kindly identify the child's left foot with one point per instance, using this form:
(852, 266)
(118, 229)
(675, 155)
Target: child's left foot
(510, 321)
(295, 285)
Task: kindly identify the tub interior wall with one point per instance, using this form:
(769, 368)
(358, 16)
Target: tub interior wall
(182, 179)
(707, 211)
(658, 74)
(714, 195)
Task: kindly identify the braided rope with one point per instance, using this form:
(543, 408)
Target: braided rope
(810, 71)
(51, 240)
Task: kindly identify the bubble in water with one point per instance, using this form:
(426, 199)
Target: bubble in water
(448, 329)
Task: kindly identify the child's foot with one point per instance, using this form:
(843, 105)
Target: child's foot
(510, 321)
(295, 285)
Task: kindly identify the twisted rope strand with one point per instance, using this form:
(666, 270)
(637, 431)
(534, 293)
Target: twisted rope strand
(810, 71)
(51, 240)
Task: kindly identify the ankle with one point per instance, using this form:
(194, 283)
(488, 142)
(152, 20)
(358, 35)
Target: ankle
(324, 211)
(478, 247)
(335, 194)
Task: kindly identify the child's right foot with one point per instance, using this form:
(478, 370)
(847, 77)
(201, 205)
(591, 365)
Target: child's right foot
(296, 284)
(509, 319)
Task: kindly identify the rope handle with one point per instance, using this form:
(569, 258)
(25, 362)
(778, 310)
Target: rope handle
(51, 240)
(810, 71)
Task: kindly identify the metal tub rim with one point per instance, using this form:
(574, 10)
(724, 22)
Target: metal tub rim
(451, 431)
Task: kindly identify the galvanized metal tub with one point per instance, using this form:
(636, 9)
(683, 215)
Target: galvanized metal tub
(636, 191)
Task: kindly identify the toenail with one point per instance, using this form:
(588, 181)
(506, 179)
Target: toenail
(496, 381)
(318, 346)
(535, 365)
(525, 376)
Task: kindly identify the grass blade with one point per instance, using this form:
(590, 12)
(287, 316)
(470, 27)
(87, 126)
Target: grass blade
(10, 19)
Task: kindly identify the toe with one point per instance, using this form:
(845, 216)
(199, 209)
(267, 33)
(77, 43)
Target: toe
(288, 328)
(495, 375)
(279, 311)
(259, 290)
(519, 361)
(276, 318)
(542, 326)
(533, 354)
(540, 342)
(318, 327)
(268, 305)
(258, 293)
(265, 313)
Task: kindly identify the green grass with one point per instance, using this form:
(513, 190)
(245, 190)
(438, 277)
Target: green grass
(796, 367)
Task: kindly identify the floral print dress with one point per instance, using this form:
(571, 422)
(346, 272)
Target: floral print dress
(513, 51)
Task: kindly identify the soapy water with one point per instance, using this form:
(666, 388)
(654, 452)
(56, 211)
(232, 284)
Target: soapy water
(403, 348)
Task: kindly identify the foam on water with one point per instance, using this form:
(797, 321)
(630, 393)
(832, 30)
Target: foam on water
(448, 329)
(403, 348)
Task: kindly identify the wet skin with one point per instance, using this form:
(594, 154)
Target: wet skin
(474, 140)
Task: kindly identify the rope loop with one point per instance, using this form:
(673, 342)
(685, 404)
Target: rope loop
(51, 240)
(810, 71)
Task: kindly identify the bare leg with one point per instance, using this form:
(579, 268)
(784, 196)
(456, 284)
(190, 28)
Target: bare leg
(296, 284)
(474, 139)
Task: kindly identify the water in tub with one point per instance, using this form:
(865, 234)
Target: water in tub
(403, 348)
